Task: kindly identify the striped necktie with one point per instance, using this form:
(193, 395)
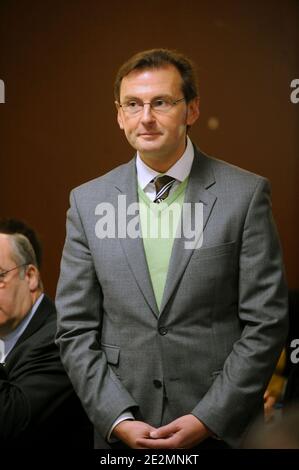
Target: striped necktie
(163, 185)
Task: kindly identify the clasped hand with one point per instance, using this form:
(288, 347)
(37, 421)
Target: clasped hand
(182, 433)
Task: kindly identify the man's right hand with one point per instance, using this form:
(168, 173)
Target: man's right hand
(129, 431)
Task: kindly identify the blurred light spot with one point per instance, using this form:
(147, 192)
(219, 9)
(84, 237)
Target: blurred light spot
(213, 123)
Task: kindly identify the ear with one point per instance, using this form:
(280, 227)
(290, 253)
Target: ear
(193, 111)
(119, 115)
(32, 277)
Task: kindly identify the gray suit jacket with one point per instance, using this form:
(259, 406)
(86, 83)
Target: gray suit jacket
(223, 319)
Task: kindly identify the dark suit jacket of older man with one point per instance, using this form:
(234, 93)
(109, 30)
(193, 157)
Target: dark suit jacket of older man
(38, 406)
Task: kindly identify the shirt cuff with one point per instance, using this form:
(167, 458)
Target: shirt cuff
(122, 417)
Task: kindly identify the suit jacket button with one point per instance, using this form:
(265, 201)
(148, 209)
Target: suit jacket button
(157, 383)
(163, 330)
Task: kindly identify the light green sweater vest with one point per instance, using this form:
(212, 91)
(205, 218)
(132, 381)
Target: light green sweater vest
(158, 226)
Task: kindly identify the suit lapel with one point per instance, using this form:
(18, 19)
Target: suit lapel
(45, 309)
(201, 178)
(133, 247)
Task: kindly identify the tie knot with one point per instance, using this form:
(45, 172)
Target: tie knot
(163, 184)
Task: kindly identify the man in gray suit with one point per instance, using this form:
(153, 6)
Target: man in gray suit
(167, 345)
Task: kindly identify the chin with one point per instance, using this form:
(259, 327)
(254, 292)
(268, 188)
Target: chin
(153, 153)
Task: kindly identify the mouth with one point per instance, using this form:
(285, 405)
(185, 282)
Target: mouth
(150, 134)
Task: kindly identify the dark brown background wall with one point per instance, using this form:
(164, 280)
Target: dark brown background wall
(58, 128)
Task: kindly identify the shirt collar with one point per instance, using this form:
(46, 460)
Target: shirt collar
(180, 170)
(11, 339)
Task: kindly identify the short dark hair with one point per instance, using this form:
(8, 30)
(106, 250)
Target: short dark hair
(18, 227)
(158, 58)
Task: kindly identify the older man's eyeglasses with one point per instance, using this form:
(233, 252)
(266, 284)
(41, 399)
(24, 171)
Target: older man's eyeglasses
(158, 105)
(4, 273)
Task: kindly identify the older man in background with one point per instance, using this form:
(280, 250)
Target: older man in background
(38, 406)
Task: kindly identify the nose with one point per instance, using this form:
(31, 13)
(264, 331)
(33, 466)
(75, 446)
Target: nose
(147, 113)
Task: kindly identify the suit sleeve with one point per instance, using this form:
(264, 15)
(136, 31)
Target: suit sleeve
(14, 409)
(32, 389)
(79, 308)
(238, 390)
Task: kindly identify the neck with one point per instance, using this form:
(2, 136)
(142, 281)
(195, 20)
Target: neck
(161, 163)
(10, 326)
(35, 295)
(158, 166)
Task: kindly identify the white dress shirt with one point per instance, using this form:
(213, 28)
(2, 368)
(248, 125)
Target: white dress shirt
(179, 171)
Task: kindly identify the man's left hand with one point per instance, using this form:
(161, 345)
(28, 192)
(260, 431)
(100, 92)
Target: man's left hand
(182, 433)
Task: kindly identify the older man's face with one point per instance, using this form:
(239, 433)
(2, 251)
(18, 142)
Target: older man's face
(15, 290)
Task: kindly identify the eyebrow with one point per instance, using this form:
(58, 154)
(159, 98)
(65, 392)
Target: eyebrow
(131, 97)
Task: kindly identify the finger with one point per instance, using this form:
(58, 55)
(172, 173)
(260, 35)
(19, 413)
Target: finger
(163, 431)
(169, 443)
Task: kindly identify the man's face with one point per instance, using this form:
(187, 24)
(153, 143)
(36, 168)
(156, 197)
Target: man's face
(15, 292)
(159, 137)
